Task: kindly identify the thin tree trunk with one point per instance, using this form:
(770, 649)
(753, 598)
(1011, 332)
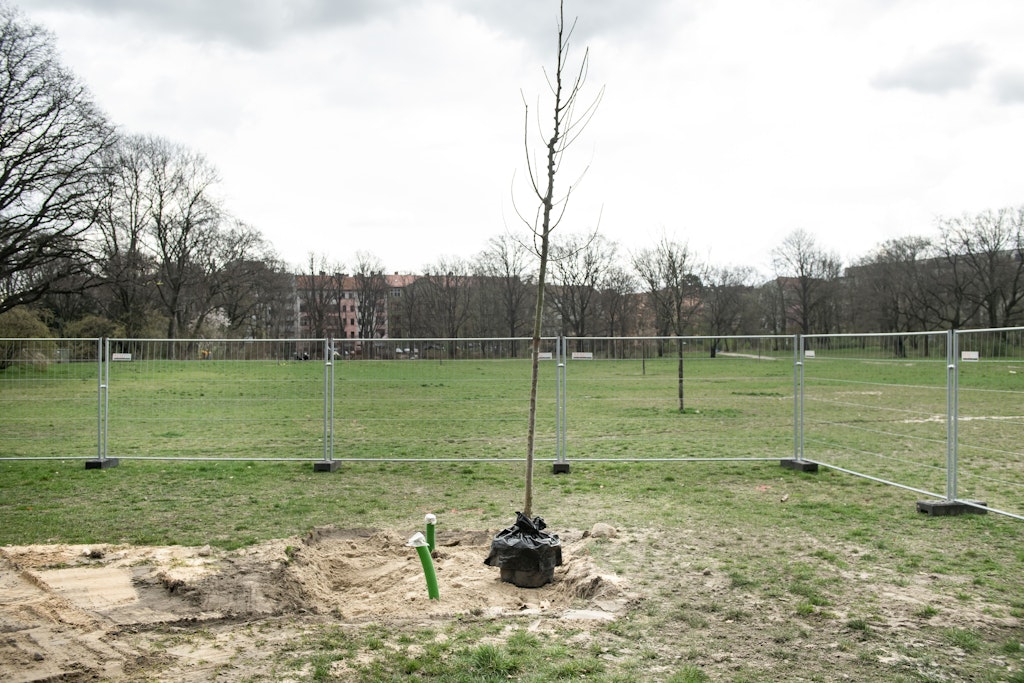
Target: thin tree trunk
(538, 319)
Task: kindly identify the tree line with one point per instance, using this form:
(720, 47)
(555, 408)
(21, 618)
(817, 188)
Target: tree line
(970, 274)
(104, 233)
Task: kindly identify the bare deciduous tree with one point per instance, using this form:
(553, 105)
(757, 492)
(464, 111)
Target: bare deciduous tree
(320, 290)
(183, 218)
(372, 296)
(726, 293)
(566, 125)
(405, 315)
(125, 264)
(888, 286)
(807, 275)
(52, 139)
(617, 310)
(505, 286)
(445, 293)
(580, 264)
(984, 252)
(249, 284)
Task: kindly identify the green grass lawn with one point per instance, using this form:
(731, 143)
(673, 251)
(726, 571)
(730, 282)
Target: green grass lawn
(878, 416)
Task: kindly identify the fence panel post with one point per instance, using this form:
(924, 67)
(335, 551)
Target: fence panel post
(798, 398)
(102, 408)
(100, 392)
(328, 464)
(561, 465)
(952, 411)
(797, 462)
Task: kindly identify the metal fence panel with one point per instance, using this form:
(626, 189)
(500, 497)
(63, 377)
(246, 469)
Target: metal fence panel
(679, 398)
(441, 399)
(49, 405)
(990, 418)
(196, 398)
(930, 412)
(876, 405)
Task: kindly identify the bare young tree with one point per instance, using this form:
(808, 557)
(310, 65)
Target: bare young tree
(52, 140)
(672, 279)
(567, 124)
(673, 282)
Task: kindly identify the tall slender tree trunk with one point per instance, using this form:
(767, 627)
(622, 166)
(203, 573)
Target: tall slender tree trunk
(538, 314)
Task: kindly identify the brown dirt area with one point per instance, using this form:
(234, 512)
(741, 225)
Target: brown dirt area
(72, 613)
(645, 597)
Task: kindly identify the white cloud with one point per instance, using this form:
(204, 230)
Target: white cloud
(941, 70)
(253, 24)
(1009, 86)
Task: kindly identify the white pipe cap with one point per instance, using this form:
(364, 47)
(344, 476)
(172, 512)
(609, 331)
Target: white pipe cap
(418, 540)
(431, 519)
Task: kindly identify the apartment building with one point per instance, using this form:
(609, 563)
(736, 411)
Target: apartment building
(344, 306)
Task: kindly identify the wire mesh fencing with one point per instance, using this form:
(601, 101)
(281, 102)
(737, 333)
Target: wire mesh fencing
(877, 405)
(442, 399)
(674, 398)
(937, 413)
(49, 398)
(217, 399)
(990, 418)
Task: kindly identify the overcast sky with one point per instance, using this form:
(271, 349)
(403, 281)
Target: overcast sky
(396, 126)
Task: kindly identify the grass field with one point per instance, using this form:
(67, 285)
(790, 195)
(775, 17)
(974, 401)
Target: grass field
(742, 571)
(735, 407)
(842, 581)
(876, 415)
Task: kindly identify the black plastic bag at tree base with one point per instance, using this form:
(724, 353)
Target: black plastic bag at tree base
(526, 555)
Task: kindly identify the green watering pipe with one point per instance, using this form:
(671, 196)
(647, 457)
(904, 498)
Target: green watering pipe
(431, 521)
(423, 549)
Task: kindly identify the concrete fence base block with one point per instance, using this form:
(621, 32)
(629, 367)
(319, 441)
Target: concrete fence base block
(799, 465)
(951, 507)
(326, 466)
(101, 464)
(560, 468)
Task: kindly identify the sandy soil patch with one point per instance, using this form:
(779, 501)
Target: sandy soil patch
(62, 607)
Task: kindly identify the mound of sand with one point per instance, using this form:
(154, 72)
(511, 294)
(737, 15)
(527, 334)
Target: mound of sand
(60, 604)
